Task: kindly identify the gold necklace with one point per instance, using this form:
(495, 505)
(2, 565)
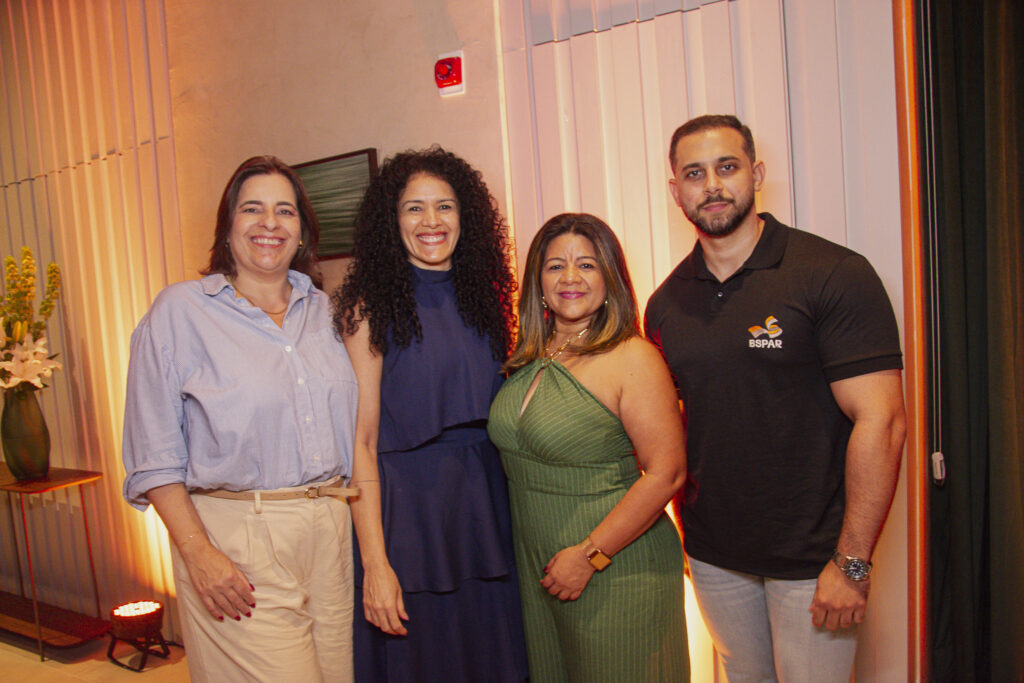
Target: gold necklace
(571, 339)
(253, 301)
(273, 313)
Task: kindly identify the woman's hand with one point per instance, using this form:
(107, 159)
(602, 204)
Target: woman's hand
(568, 573)
(382, 593)
(223, 588)
(633, 382)
(382, 601)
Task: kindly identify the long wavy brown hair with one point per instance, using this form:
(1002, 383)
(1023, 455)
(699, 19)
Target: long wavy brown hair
(615, 322)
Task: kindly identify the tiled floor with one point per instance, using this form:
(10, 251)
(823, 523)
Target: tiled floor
(19, 661)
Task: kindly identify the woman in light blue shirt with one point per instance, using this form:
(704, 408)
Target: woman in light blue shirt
(239, 426)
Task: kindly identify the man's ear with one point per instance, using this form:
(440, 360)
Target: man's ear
(673, 188)
(758, 172)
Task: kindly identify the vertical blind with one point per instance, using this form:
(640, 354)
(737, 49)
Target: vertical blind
(594, 91)
(87, 180)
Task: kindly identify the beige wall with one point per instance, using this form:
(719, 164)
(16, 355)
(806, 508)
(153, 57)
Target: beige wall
(307, 79)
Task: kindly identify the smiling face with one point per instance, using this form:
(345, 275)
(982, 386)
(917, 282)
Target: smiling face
(571, 281)
(428, 220)
(265, 227)
(715, 180)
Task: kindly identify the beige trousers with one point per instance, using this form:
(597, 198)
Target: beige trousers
(298, 555)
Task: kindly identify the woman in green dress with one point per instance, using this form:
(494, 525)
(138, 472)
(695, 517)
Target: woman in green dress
(591, 439)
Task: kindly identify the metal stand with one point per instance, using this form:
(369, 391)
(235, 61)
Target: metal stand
(144, 645)
(50, 625)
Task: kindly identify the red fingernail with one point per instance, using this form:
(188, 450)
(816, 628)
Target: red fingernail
(252, 604)
(252, 587)
(220, 618)
(248, 614)
(237, 618)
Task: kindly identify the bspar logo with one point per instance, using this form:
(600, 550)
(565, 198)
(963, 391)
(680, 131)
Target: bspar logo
(771, 329)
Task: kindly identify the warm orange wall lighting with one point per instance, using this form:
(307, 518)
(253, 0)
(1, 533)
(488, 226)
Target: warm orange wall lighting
(158, 549)
(915, 342)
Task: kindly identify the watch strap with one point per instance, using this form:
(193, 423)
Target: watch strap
(595, 556)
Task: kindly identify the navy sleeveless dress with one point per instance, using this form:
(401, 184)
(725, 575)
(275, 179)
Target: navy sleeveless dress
(444, 502)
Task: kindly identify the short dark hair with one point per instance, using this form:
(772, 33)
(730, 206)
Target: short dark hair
(615, 322)
(707, 122)
(304, 261)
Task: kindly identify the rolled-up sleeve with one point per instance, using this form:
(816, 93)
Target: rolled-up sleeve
(154, 448)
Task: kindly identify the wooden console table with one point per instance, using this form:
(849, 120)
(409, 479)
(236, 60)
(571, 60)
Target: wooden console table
(54, 626)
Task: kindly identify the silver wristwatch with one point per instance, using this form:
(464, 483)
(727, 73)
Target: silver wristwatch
(855, 568)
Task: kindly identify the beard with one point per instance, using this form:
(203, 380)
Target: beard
(724, 223)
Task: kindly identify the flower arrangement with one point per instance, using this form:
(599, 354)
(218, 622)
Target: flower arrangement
(23, 354)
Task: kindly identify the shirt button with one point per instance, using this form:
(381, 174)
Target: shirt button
(721, 294)
(301, 381)
(288, 349)
(308, 419)
(316, 457)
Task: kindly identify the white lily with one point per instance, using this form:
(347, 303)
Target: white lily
(27, 362)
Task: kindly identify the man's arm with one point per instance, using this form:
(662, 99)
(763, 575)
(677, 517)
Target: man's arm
(874, 402)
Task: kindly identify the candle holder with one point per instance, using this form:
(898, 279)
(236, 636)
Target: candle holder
(138, 624)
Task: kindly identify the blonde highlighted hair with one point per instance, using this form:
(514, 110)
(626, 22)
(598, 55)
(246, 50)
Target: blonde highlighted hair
(616, 321)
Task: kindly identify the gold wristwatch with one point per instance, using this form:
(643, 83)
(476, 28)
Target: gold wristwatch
(595, 556)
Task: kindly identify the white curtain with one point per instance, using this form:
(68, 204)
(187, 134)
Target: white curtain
(593, 91)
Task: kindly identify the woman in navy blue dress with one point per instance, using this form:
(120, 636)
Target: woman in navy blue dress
(426, 316)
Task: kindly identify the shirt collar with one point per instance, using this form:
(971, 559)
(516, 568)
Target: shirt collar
(214, 283)
(769, 250)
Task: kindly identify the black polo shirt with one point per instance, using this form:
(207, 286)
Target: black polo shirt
(753, 358)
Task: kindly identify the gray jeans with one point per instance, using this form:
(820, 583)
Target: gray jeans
(762, 628)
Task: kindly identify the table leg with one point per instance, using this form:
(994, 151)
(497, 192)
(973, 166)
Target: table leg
(88, 546)
(14, 540)
(32, 579)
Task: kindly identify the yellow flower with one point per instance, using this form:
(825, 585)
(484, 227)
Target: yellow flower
(19, 296)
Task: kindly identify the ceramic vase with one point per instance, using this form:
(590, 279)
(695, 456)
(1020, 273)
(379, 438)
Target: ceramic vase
(23, 432)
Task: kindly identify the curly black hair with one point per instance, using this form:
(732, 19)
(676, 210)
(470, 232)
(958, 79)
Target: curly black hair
(379, 286)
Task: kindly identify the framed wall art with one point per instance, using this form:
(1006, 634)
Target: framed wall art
(336, 186)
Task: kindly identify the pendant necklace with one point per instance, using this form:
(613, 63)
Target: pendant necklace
(571, 339)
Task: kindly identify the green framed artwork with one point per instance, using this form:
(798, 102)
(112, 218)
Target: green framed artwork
(336, 186)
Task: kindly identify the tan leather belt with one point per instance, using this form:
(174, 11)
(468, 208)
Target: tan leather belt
(309, 492)
(323, 489)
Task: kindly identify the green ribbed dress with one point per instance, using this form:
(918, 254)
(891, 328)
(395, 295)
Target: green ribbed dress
(568, 462)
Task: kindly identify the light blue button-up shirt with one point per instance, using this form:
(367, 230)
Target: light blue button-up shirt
(220, 397)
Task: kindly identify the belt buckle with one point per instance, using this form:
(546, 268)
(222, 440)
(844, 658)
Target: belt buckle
(313, 492)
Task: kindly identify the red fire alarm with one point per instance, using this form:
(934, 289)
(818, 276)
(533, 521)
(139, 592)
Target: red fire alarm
(448, 73)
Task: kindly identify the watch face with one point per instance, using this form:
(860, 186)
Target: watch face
(598, 559)
(856, 569)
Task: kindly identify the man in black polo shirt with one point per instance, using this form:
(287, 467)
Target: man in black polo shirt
(786, 354)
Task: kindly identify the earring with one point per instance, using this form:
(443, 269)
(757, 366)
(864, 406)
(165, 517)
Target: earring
(300, 242)
(605, 302)
(544, 303)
